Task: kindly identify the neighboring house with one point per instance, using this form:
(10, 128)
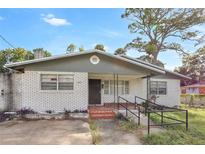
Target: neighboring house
(194, 89)
(75, 81)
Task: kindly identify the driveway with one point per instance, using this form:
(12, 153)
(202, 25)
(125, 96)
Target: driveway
(45, 132)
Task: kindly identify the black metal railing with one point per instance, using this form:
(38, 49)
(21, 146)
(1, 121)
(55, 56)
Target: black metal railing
(126, 107)
(154, 108)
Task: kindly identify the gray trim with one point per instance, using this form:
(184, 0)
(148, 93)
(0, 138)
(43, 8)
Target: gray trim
(17, 64)
(157, 67)
(43, 59)
(127, 59)
(82, 63)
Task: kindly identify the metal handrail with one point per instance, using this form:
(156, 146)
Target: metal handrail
(177, 121)
(156, 104)
(126, 107)
(162, 110)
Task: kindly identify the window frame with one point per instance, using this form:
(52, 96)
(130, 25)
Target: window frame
(110, 87)
(158, 88)
(128, 90)
(57, 82)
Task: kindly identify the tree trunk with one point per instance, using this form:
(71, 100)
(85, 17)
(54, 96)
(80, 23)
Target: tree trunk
(155, 55)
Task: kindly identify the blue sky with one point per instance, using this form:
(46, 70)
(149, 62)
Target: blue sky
(54, 29)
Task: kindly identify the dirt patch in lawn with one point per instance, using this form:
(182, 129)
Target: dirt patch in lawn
(111, 134)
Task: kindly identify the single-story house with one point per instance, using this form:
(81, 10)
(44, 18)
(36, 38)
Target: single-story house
(198, 89)
(78, 80)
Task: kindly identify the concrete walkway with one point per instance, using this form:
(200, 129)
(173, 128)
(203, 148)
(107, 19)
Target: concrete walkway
(112, 135)
(45, 132)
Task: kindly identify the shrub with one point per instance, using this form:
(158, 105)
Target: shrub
(120, 116)
(80, 111)
(49, 111)
(4, 116)
(25, 110)
(129, 125)
(67, 113)
(145, 104)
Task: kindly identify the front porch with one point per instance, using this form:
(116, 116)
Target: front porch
(105, 89)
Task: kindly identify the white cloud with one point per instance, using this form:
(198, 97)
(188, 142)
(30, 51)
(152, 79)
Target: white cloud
(52, 20)
(1, 18)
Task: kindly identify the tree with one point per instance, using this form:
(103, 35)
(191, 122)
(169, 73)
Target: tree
(193, 65)
(100, 47)
(29, 55)
(71, 48)
(149, 59)
(120, 51)
(14, 55)
(17, 55)
(45, 52)
(81, 49)
(155, 28)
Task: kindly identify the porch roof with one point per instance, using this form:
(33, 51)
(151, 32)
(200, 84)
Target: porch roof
(157, 67)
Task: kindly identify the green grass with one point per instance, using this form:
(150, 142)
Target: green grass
(128, 125)
(178, 134)
(96, 138)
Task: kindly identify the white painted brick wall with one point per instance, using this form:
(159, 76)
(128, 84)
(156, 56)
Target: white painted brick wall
(31, 95)
(17, 90)
(27, 93)
(136, 89)
(3, 86)
(172, 98)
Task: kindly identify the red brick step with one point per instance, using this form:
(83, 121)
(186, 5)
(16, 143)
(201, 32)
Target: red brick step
(101, 114)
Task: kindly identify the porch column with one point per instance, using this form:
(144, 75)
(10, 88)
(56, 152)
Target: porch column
(148, 81)
(114, 88)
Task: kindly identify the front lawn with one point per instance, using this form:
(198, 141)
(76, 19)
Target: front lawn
(178, 134)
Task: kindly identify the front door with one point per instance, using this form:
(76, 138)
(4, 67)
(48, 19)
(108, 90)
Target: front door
(94, 91)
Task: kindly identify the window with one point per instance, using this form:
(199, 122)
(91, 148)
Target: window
(123, 87)
(158, 87)
(57, 82)
(106, 87)
(162, 88)
(112, 83)
(65, 82)
(48, 82)
(126, 87)
(153, 87)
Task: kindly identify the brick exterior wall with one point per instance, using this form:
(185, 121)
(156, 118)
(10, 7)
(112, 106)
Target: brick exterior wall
(27, 93)
(4, 91)
(172, 98)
